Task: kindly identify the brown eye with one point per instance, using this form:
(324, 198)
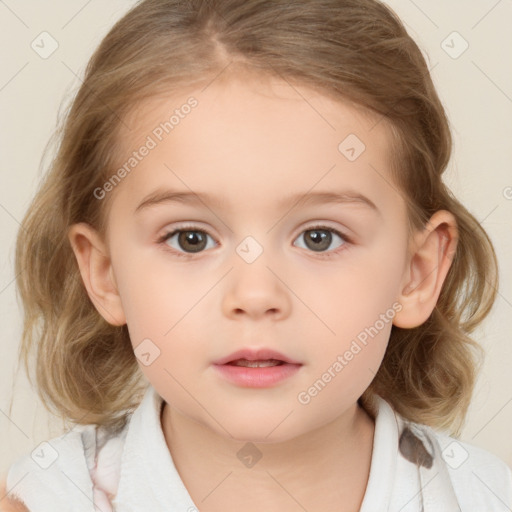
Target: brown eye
(320, 238)
(189, 241)
(194, 241)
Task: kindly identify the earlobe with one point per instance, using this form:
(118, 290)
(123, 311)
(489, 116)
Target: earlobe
(97, 272)
(428, 264)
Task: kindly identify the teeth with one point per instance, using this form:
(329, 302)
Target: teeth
(256, 364)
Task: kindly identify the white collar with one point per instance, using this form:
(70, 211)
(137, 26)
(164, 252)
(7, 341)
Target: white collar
(149, 479)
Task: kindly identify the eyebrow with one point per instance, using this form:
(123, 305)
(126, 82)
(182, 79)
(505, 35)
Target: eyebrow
(344, 197)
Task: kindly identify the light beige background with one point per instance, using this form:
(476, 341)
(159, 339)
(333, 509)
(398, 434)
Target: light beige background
(475, 87)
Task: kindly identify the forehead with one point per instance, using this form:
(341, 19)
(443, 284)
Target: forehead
(263, 138)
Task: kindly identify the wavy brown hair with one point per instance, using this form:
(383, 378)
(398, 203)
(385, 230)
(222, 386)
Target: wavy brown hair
(352, 50)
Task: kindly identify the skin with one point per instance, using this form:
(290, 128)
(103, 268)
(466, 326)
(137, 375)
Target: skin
(252, 143)
(7, 504)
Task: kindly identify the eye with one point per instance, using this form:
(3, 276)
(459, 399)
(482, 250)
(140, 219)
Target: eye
(319, 238)
(189, 239)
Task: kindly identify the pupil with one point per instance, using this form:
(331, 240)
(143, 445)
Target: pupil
(194, 239)
(321, 239)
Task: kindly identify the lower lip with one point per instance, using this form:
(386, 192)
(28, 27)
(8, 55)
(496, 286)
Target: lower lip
(262, 377)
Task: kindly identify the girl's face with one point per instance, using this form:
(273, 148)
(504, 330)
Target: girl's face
(258, 166)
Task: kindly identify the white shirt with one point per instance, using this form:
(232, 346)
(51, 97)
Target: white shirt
(133, 470)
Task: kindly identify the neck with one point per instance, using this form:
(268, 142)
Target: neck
(338, 453)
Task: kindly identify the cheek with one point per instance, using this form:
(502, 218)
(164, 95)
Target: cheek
(155, 292)
(348, 361)
(355, 294)
(358, 304)
(165, 314)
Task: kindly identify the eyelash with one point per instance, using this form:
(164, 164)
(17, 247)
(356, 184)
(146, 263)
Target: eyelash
(329, 254)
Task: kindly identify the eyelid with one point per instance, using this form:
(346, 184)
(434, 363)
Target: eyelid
(348, 241)
(185, 226)
(320, 224)
(169, 233)
(344, 232)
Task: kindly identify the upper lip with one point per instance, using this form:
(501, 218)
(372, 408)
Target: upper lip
(259, 354)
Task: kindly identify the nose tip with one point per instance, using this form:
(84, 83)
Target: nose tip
(257, 299)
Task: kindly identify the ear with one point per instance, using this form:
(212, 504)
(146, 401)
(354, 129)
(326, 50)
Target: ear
(431, 255)
(97, 272)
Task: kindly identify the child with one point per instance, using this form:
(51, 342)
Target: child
(252, 370)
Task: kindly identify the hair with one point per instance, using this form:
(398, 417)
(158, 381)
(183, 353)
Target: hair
(356, 51)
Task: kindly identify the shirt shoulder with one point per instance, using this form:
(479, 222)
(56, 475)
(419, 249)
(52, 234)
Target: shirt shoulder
(481, 479)
(428, 469)
(58, 473)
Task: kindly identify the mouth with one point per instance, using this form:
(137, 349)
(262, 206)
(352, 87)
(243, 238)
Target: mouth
(258, 373)
(256, 368)
(256, 358)
(264, 363)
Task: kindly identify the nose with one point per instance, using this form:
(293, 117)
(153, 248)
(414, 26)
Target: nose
(257, 291)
